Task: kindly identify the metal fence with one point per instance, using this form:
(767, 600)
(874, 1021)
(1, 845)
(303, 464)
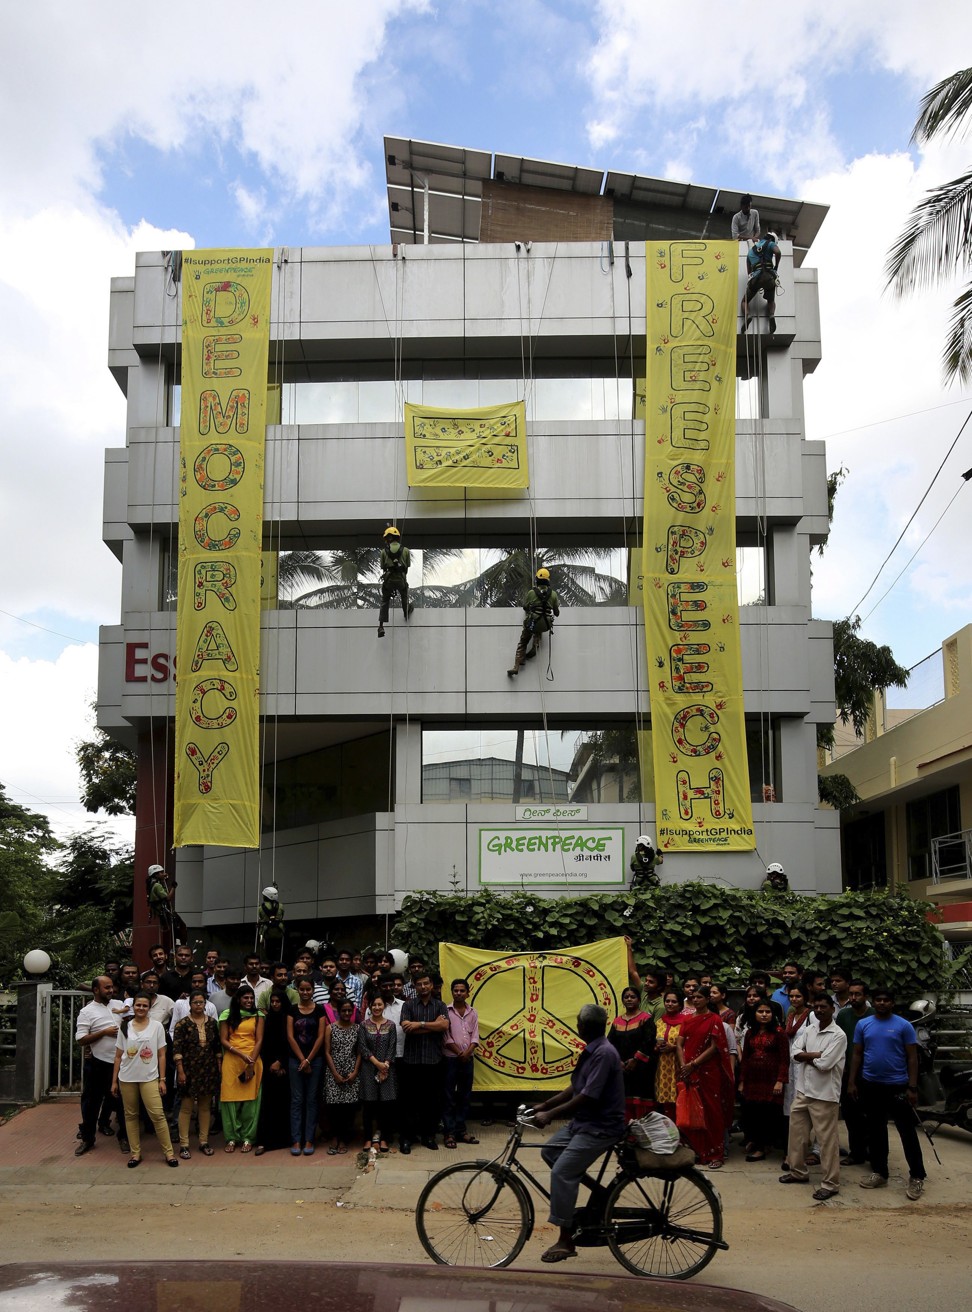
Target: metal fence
(62, 1061)
(8, 1029)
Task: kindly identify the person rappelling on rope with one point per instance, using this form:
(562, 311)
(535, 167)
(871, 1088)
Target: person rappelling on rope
(395, 561)
(160, 891)
(775, 880)
(541, 606)
(762, 262)
(271, 923)
(644, 862)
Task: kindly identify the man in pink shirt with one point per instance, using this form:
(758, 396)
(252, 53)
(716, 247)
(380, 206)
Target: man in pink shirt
(459, 1046)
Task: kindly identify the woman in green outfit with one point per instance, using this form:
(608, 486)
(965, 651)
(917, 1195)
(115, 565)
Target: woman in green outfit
(241, 1034)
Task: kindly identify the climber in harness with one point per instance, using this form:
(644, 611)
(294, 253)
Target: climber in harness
(762, 262)
(775, 880)
(160, 894)
(540, 606)
(394, 575)
(643, 863)
(271, 923)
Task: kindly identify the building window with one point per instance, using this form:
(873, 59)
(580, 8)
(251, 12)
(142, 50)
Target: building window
(865, 854)
(930, 817)
(333, 783)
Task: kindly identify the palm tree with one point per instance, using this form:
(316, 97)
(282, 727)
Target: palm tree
(349, 579)
(935, 244)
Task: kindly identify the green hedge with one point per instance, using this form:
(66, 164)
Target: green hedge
(687, 927)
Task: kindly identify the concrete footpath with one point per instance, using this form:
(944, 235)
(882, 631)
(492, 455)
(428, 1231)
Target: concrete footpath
(37, 1164)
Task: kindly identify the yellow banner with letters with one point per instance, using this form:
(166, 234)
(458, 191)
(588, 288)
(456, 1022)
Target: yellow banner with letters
(527, 1003)
(702, 797)
(225, 351)
(485, 447)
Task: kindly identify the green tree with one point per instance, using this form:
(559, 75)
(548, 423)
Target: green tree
(108, 774)
(27, 878)
(90, 910)
(934, 246)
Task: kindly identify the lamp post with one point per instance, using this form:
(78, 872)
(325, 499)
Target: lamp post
(37, 962)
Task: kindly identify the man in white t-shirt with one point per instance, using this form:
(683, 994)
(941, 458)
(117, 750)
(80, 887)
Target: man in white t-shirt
(95, 1030)
(180, 1008)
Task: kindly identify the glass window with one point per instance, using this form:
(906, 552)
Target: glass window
(865, 861)
(509, 764)
(927, 818)
(344, 779)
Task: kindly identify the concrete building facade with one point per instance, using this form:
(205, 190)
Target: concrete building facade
(911, 830)
(358, 810)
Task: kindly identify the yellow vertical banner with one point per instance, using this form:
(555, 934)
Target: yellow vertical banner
(225, 351)
(702, 797)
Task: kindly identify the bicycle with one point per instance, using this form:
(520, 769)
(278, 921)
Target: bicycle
(656, 1223)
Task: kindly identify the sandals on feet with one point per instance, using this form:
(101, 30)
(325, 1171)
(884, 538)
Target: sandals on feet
(558, 1253)
(185, 1154)
(205, 1149)
(449, 1141)
(246, 1147)
(468, 1138)
(133, 1162)
(230, 1147)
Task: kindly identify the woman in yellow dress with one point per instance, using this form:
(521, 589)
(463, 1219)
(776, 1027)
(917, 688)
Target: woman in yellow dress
(666, 1090)
(241, 1034)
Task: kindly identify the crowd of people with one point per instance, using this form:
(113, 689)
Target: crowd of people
(780, 1071)
(272, 1056)
(339, 1049)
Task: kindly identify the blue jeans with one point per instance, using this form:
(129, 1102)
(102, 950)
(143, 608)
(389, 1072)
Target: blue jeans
(458, 1091)
(304, 1089)
(569, 1153)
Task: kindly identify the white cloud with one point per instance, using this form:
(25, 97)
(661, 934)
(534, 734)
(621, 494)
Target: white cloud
(882, 359)
(280, 85)
(760, 70)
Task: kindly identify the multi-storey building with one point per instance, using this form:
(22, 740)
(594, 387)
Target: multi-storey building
(505, 279)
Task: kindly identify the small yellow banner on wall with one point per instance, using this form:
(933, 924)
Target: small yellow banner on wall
(702, 797)
(225, 350)
(527, 1004)
(485, 447)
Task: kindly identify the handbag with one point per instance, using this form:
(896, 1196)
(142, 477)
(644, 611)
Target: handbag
(688, 1109)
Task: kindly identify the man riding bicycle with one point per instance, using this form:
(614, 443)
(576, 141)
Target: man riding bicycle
(595, 1101)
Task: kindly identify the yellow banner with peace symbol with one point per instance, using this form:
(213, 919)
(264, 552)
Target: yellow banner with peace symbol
(527, 1003)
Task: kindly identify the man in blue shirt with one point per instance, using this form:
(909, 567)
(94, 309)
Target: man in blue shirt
(791, 975)
(595, 1100)
(884, 1075)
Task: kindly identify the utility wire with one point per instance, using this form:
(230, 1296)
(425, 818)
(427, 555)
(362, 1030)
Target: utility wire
(83, 641)
(892, 419)
(917, 549)
(853, 609)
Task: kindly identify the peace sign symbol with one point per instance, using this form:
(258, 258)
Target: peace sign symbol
(527, 1004)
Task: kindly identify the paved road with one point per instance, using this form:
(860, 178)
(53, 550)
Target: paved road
(867, 1251)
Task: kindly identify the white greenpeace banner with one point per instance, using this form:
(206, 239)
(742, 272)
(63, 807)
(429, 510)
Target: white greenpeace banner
(548, 855)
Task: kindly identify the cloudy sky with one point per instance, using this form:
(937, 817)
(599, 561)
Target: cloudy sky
(127, 128)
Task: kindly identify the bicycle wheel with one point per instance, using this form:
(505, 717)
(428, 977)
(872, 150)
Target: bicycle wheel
(473, 1214)
(664, 1225)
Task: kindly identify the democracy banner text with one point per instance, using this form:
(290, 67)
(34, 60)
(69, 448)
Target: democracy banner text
(225, 349)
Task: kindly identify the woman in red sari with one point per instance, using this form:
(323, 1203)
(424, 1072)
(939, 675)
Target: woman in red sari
(703, 1064)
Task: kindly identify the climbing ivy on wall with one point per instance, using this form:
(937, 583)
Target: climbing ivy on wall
(688, 927)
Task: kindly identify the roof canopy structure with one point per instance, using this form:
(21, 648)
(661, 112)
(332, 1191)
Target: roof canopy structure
(436, 194)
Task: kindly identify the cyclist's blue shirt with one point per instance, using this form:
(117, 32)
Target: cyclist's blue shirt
(598, 1076)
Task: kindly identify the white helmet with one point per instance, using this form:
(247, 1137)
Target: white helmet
(270, 892)
(774, 868)
(313, 945)
(156, 870)
(645, 840)
(923, 1007)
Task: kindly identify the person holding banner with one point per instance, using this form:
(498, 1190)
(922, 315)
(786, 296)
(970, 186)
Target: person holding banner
(595, 1101)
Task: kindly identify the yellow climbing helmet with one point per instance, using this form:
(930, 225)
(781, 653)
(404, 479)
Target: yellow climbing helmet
(391, 532)
(543, 575)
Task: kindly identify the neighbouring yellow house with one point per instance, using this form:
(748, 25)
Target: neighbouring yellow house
(912, 828)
